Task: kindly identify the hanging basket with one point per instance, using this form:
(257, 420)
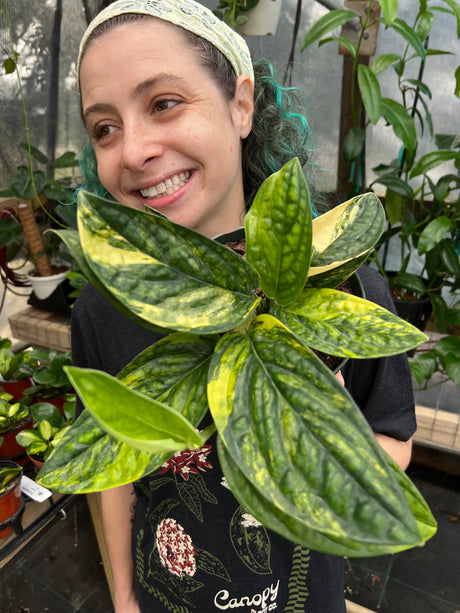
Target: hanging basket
(262, 19)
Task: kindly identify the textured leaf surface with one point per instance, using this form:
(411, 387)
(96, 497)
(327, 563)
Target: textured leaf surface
(132, 417)
(175, 371)
(71, 239)
(334, 276)
(278, 233)
(298, 438)
(165, 273)
(346, 232)
(345, 325)
(89, 460)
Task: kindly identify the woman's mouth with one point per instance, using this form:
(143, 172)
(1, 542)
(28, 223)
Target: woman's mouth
(168, 187)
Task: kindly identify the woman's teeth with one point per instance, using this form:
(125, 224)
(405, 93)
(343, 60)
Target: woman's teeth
(171, 185)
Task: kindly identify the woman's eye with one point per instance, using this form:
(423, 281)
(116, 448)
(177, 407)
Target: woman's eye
(102, 131)
(164, 105)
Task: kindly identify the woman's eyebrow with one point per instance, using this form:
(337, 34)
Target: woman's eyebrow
(163, 78)
(99, 107)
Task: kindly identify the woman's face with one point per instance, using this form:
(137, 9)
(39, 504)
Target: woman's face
(164, 135)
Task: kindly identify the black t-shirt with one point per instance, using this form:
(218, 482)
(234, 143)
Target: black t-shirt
(194, 547)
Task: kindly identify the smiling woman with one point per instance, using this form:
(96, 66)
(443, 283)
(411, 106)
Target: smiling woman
(181, 122)
(154, 125)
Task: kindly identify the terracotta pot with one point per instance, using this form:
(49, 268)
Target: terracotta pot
(16, 388)
(10, 500)
(10, 448)
(37, 463)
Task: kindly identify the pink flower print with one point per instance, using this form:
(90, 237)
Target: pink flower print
(175, 548)
(186, 462)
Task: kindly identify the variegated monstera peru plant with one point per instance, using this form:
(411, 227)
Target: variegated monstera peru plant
(295, 449)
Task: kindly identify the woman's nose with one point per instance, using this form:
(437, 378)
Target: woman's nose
(140, 146)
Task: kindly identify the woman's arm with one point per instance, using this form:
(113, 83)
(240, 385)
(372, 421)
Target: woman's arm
(400, 451)
(116, 516)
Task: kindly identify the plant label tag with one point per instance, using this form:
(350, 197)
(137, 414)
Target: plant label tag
(38, 493)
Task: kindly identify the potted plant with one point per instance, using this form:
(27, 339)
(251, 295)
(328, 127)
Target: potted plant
(10, 494)
(423, 213)
(250, 17)
(442, 358)
(50, 424)
(40, 199)
(14, 417)
(242, 349)
(16, 368)
(50, 382)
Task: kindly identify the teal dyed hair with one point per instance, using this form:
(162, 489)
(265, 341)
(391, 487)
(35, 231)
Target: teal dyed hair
(280, 131)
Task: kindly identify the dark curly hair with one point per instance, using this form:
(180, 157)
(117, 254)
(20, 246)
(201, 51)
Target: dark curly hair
(280, 129)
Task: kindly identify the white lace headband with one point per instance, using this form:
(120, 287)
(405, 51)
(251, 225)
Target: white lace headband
(189, 15)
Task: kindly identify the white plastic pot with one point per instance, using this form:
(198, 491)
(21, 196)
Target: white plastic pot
(262, 19)
(45, 286)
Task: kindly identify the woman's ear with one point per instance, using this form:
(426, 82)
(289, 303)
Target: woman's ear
(244, 104)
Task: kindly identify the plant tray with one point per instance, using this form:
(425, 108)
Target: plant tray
(42, 328)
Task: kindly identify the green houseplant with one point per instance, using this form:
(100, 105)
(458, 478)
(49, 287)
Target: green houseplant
(423, 213)
(238, 337)
(50, 425)
(16, 368)
(49, 378)
(10, 493)
(14, 417)
(250, 17)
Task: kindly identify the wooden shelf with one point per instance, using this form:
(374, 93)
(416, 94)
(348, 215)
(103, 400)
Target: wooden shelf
(41, 328)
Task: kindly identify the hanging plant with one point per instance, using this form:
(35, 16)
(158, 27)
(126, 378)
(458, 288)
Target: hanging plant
(239, 338)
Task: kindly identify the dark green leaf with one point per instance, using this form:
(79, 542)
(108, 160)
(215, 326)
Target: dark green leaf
(9, 65)
(397, 185)
(345, 42)
(410, 36)
(324, 25)
(433, 233)
(450, 257)
(421, 86)
(440, 311)
(401, 122)
(395, 205)
(423, 367)
(432, 160)
(165, 273)
(341, 324)
(370, 93)
(410, 282)
(66, 160)
(448, 345)
(279, 233)
(42, 411)
(452, 366)
(291, 436)
(383, 61)
(35, 153)
(353, 145)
